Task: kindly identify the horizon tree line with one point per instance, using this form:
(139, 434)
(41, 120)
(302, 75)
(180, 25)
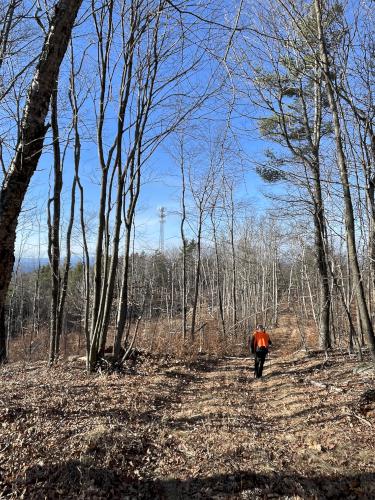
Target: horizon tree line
(297, 74)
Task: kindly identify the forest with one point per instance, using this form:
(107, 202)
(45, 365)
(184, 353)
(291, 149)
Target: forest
(174, 175)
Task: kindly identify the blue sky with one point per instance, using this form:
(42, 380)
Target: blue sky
(161, 187)
(161, 180)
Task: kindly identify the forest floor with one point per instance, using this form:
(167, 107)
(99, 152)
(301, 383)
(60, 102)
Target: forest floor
(201, 430)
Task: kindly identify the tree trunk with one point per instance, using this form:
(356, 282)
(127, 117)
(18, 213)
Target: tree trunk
(54, 231)
(184, 246)
(3, 336)
(30, 142)
(233, 255)
(321, 262)
(122, 315)
(218, 276)
(349, 215)
(5, 32)
(197, 276)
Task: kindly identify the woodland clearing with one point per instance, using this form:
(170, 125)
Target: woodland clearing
(173, 174)
(204, 429)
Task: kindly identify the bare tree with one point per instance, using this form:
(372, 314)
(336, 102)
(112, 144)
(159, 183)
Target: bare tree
(342, 164)
(30, 142)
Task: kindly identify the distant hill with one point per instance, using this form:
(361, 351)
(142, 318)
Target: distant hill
(28, 264)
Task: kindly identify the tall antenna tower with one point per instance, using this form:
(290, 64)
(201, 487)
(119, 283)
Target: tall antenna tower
(162, 217)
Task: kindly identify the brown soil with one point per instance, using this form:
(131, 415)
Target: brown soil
(201, 430)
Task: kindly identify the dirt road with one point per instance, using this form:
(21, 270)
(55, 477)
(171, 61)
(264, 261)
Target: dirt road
(200, 430)
(226, 435)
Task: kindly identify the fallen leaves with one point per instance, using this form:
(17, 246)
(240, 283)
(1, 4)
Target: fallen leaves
(202, 431)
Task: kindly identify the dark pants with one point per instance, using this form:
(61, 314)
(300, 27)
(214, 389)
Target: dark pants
(260, 357)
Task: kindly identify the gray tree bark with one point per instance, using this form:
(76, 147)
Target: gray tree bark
(349, 214)
(54, 231)
(30, 143)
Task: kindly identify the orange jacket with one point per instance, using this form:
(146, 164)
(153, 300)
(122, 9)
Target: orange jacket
(260, 339)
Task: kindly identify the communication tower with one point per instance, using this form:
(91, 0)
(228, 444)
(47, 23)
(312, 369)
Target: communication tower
(162, 217)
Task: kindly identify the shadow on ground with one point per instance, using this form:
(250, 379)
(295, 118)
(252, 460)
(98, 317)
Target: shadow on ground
(75, 479)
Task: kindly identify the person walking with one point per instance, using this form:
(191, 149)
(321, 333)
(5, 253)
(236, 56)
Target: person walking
(259, 343)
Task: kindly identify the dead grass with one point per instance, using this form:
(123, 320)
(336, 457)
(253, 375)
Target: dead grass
(198, 427)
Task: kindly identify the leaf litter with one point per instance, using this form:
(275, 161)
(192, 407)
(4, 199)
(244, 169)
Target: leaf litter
(189, 430)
